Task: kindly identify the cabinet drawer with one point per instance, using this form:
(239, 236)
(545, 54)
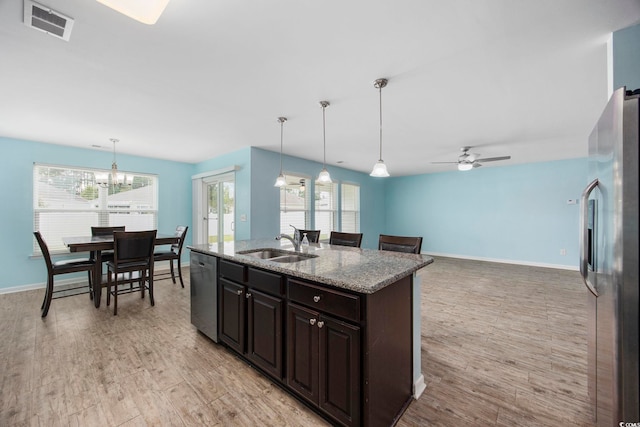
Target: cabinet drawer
(326, 300)
(267, 282)
(233, 271)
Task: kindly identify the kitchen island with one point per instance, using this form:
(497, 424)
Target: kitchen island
(335, 326)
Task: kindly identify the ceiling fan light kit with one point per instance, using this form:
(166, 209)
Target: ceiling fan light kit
(467, 161)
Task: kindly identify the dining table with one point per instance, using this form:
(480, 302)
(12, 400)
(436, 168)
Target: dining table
(98, 244)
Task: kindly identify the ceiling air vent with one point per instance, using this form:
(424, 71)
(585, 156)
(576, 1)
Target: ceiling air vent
(45, 19)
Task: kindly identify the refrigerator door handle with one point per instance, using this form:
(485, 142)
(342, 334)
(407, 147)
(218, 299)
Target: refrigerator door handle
(584, 236)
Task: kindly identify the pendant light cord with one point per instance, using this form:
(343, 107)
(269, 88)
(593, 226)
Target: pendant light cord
(324, 139)
(281, 136)
(380, 90)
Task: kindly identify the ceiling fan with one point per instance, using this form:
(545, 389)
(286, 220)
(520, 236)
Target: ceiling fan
(467, 161)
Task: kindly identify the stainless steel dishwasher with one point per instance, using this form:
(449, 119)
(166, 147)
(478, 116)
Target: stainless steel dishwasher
(204, 294)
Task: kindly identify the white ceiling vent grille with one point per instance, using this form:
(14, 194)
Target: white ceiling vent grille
(45, 19)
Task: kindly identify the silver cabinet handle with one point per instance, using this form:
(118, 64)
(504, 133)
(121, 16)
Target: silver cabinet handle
(312, 322)
(320, 324)
(584, 236)
(248, 295)
(239, 291)
(316, 298)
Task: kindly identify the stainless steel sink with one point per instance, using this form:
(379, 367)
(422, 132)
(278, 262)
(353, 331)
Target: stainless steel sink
(277, 255)
(291, 258)
(265, 253)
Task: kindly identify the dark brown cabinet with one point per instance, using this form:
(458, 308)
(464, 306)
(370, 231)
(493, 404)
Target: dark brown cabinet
(264, 331)
(324, 362)
(251, 321)
(348, 355)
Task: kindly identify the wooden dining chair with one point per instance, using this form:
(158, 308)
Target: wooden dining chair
(173, 253)
(104, 255)
(132, 253)
(410, 245)
(313, 236)
(345, 239)
(64, 266)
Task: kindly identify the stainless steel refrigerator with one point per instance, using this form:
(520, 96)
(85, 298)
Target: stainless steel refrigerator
(609, 263)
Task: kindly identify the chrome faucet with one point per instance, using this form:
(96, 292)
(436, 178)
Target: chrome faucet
(295, 239)
(296, 243)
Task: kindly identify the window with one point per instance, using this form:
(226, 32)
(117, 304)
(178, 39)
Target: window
(294, 204)
(68, 201)
(326, 208)
(350, 208)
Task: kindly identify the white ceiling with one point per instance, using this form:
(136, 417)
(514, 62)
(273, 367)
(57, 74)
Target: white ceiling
(520, 78)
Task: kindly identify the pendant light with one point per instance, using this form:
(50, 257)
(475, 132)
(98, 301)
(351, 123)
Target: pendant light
(380, 169)
(114, 165)
(280, 181)
(324, 176)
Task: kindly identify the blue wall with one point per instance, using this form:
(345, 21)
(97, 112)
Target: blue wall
(19, 269)
(510, 213)
(626, 58)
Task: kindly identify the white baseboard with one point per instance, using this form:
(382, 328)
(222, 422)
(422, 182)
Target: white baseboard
(164, 265)
(505, 261)
(418, 387)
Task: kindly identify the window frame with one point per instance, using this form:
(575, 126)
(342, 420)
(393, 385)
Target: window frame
(293, 180)
(70, 218)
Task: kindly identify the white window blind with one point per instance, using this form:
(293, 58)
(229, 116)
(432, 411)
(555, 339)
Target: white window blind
(326, 208)
(69, 201)
(350, 208)
(294, 204)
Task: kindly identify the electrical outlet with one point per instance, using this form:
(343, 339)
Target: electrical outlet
(563, 251)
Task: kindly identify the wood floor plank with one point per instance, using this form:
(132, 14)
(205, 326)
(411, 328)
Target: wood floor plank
(502, 345)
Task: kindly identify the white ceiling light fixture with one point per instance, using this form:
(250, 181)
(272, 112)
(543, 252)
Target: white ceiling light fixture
(145, 11)
(280, 181)
(324, 176)
(380, 169)
(465, 166)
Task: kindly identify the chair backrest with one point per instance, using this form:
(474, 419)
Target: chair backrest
(181, 232)
(130, 246)
(45, 250)
(313, 236)
(345, 239)
(410, 245)
(105, 231)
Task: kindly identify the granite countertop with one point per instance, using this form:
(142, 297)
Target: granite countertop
(361, 270)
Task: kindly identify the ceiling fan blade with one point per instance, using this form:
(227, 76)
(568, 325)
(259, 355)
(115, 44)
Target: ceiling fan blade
(494, 159)
(476, 165)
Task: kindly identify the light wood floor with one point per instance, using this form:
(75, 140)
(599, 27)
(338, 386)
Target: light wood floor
(501, 345)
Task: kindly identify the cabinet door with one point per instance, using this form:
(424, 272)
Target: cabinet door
(264, 331)
(339, 369)
(302, 351)
(232, 314)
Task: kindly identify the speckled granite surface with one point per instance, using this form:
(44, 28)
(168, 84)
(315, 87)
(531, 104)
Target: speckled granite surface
(360, 270)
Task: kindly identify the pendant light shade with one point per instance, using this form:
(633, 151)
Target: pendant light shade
(280, 181)
(324, 176)
(380, 169)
